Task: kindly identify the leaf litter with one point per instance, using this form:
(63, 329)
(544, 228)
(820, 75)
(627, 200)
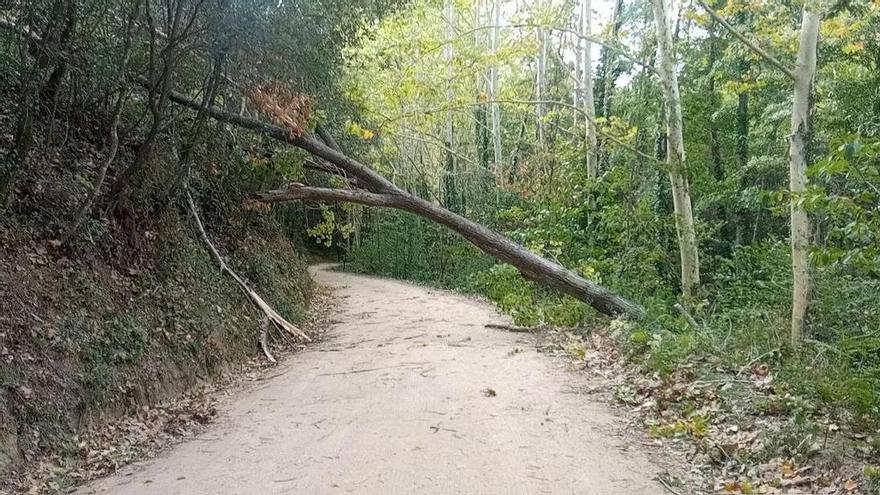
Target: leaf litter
(723, 421)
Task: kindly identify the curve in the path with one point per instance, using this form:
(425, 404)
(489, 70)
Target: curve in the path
(409, 394)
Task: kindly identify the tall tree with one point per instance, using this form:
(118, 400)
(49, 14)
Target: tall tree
(540, 85)
(123, 92)
(495, 92)
(741, 145)
(449, 186)
(803, 77)
(665, 20)
(804, 74)
(169, 25)
(608, 69)
(589, 105)
(38, 53)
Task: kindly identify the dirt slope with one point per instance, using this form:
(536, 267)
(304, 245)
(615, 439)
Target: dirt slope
(410, 394)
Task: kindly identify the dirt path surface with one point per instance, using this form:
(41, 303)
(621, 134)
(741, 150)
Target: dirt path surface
(409, 394)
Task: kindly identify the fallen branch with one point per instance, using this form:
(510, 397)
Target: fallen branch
(667, 485)
(269, 313)
(687, 316)
(512, 328)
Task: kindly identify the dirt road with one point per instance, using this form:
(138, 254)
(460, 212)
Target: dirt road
(409, 394)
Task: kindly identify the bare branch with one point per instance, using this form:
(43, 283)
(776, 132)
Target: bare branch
(577, 109)
(269, 313)
(751, 45)
(366, 176)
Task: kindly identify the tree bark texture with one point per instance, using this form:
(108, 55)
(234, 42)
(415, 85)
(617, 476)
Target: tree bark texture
(587, 88)
(799, 158)
(664, 21)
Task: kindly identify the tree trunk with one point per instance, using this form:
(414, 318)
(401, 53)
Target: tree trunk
(587, 88)
(44, 49)
(163, 62)
(449, 176)
(716, 162)
(741, 151)
(384, 193)
(799, 159)
(49, 92)
(482, 130)
(664, 21)
(86, 206)
(530, 265)
(609, 62)
(495, 94)
(540, 81)
(194, 136)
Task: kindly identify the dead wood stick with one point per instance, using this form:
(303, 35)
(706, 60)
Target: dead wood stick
(667, 485)
(270, 314)
(264, 339)
(687, 316)
(512, 328)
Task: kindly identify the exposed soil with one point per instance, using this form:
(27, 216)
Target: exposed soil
(409, 393)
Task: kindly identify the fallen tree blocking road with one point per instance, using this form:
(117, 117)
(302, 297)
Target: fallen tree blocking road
(379, 191)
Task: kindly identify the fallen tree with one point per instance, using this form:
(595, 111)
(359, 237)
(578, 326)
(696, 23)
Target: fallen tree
(376, 190)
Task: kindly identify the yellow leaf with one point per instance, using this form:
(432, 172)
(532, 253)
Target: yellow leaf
(787, 469)
(852, 48)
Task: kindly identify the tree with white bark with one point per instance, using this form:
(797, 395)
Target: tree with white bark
(803, 76)
(589, 106)
(665, 19)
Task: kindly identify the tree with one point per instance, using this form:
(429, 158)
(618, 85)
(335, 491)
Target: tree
(804, 74)
(587, 90)
(540, 84)
(376, 190)
(124, 90)
(38, 80)
(495, 92)
(449, 189)
(168, 27)
(799, 143)
(665, 19)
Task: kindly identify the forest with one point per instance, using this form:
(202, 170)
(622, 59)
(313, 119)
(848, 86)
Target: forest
(696, 184)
